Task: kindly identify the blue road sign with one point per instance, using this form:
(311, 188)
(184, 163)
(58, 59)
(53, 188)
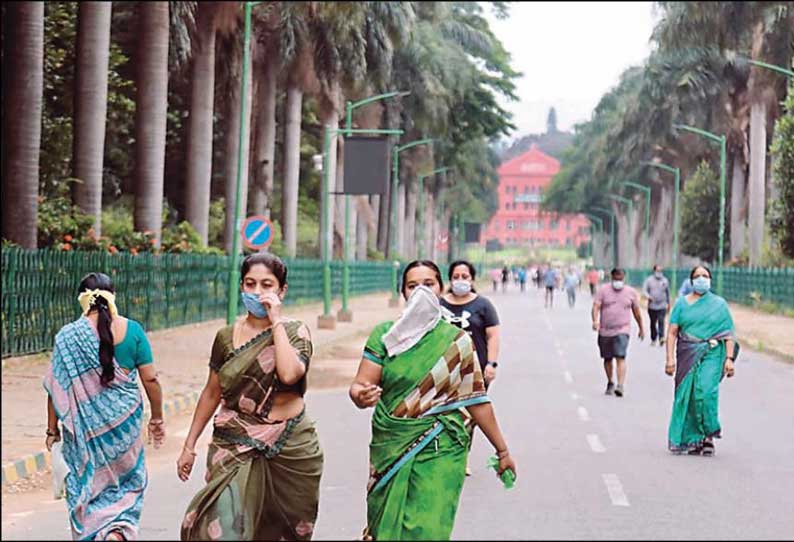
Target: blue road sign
(257, 232)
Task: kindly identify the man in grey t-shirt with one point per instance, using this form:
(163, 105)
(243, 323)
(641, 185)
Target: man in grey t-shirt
(657, 290)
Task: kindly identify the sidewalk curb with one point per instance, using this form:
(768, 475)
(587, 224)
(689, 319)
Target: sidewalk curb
(759, 346)
(13, 471)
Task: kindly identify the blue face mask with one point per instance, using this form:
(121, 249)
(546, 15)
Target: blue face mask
(701, 285)
(252, 304)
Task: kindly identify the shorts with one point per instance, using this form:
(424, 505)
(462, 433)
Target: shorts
(613, 347)
(550, 288)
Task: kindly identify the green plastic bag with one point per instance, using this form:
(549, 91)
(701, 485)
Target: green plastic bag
(508, 477)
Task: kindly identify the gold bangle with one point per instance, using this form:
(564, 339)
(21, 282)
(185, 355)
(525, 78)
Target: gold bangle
(188, 450)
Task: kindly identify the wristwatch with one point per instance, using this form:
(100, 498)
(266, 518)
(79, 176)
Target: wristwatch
(493, 364)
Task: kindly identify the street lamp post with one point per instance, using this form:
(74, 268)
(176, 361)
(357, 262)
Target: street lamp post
(344, 314)
(234, 257)
(395, 180)
(421, 228)
(720, 140)
(611, 230)
(779, 69)
(630, 204)
(676, 224)
(647, 191)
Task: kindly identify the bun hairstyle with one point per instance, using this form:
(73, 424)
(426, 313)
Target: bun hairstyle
(100, 281)
(269, 260)
(421, 263)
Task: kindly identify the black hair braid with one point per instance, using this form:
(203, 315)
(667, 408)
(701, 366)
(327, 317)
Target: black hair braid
(106, 346)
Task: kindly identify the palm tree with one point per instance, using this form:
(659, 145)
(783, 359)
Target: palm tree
(150, 116)
(23, 79)
(90, 105)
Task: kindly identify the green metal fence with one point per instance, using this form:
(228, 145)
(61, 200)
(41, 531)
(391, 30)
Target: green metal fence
(745, 285)
(39, 289)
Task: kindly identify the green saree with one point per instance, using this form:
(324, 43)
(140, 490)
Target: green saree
(263, 476)
(419, 438)
(704, 326)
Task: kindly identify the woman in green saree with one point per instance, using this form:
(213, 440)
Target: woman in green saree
(422, 376)
(701, 349)
(264, 463)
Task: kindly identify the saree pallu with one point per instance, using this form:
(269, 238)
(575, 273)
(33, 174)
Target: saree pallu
(263, 476)
(102, 443)
(419, 439)
(699, 371)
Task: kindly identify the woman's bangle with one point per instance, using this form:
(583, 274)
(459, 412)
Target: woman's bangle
(502, 454)
(53, 432)
(188, 450)
(156, 421)
(279, 323)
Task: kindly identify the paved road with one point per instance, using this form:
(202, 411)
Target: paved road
(590, 466)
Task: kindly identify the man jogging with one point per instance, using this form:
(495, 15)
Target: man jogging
(613, 307)
(657, 290)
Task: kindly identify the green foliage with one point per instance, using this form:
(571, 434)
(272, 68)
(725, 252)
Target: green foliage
(583, 250)
(782, 211)
(700, 214)
(62, 224)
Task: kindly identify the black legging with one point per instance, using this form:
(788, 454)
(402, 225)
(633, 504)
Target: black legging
(657, 323)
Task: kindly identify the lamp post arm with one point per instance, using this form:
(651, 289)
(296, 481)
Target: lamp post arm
(779, 69)
(698, 131)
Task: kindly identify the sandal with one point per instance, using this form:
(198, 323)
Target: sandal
(708, 448)
(696, 450)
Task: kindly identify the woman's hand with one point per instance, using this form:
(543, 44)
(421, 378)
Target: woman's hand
(368, 395)
(727, 368)
(272, 303)
(505, 463)
(156, 432)
(184, 465)
(52, 439)
(489, 374)
(669, 367)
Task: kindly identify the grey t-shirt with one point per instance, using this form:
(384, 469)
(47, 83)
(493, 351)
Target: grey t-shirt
(658, 292)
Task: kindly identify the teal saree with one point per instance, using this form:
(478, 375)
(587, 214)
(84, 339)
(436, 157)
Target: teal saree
(704, 328)
(419, 439)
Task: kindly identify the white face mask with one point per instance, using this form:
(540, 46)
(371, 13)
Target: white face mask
(461, 287)
(617, 284)
(421, 314)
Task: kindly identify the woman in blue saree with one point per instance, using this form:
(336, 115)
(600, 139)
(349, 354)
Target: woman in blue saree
(701, 350)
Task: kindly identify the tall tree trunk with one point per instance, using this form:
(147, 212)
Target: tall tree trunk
(412, 196)
(400, 221)
(364, 217)
(233, 142)
(90, 105)
(384, 218)
(292, 150)
(372, 236)
(338, 202)
(757, 185)
(738, 209)
(199, 142)
(150, 117)
(23, 81)
(265, 149)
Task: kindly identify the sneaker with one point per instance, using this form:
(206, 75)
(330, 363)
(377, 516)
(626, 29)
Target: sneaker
(468, 470)
(661, 342)
(619, 390)
(653, 342)
(610, 388)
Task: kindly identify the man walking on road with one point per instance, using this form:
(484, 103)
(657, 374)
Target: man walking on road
(613, 307)
(571, 283)
(550, 280)
(657, 290)
(592, 280)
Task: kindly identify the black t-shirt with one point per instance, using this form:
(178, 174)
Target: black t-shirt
(473, 317)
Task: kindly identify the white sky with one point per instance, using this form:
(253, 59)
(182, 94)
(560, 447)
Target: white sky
(570, 53)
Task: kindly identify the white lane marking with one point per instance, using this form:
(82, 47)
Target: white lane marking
(21, 514)
(595, 444)
(568, 377)
(615, 489)
(574, 396)
(583, 414)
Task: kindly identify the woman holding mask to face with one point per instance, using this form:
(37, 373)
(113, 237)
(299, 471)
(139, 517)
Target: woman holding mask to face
(419, 436)
(701, 350)
(264, 463)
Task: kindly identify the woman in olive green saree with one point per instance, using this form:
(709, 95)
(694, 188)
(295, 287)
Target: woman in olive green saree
(264, 463)
(701, 335)
(422, 375)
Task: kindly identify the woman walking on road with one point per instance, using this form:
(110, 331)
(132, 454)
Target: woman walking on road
(475, 315)
(701, 350)
(264, 462)
(92, 387)
(428, 372)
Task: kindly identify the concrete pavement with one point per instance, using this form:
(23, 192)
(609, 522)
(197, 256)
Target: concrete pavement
(589, 466)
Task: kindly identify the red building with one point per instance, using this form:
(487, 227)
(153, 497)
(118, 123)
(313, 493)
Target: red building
(519, 220)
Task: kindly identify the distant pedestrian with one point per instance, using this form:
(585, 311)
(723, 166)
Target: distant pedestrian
(264, 462)
(496, 276)
(476, 316)
(419, 445)
(701, 350)
(550, 278)
(657, 290)
(613, 306)
(505, 278)
(522, 278)
(571, 283)
(92, 390)
(592, 280)
(685, 289)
